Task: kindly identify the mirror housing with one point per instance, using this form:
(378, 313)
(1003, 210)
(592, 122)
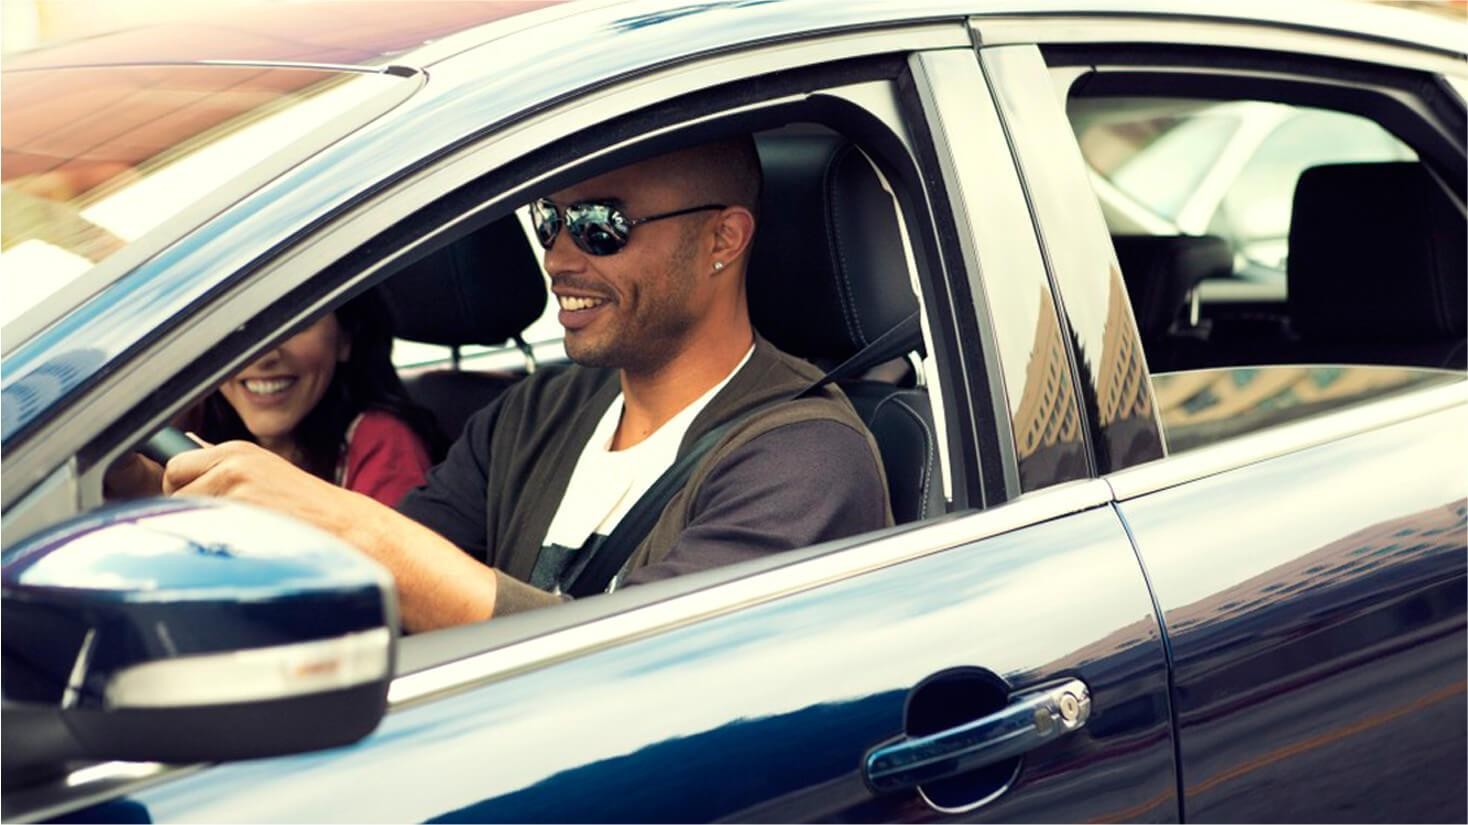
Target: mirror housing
(188, 630)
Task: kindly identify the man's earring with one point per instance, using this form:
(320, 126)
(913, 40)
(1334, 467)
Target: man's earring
(718, 265)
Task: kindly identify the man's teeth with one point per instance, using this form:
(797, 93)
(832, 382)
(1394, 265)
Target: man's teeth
(573, 304)
(268, 386)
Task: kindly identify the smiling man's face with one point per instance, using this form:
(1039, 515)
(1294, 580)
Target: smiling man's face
(633, 309)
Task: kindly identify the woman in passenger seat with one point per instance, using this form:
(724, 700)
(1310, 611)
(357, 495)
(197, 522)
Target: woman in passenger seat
(328, 400)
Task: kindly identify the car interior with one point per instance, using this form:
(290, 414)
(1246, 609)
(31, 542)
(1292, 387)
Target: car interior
(827, 277)
(1375, 264)
(1393, 296)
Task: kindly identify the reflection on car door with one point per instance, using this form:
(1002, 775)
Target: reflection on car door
(1317, 628)
(767, 712)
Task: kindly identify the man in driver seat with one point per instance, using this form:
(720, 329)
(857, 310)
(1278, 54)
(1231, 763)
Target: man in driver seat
(648, 263)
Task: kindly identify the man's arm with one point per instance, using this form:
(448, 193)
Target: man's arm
(794, 486)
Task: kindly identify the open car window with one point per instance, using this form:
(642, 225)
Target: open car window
(1296, 221)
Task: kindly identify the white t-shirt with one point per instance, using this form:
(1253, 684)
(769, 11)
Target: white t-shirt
(607, 483)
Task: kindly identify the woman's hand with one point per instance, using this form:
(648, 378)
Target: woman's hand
(132, 476)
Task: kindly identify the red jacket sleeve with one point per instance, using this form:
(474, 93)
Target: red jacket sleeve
(384, 458)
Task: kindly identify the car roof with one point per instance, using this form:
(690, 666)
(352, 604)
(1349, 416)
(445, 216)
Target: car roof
(417, 33)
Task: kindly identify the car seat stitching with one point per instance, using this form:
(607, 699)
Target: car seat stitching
(848, 302)
(928, 439)
(1438, 285)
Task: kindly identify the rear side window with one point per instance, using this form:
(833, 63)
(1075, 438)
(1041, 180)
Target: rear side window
(1172, 166)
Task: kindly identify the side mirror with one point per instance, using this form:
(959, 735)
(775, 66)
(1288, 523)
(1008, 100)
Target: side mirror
(188, 630)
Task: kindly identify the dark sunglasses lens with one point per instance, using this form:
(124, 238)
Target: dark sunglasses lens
(547, 221)
(598, 229)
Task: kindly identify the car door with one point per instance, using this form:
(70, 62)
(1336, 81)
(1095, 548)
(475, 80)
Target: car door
(1310, 576)
(761, 699)
(998, 664)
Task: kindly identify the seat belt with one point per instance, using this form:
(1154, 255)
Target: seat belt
(606, 561)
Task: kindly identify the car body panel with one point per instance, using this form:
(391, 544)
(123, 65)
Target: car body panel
(764, 713)
(1318, 639)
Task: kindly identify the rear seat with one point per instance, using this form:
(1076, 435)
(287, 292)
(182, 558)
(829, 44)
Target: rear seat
(485, 288)
(1378, 267)
(1161, 272)
(1377, 270)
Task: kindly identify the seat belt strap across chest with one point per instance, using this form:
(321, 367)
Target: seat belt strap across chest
(595, 574)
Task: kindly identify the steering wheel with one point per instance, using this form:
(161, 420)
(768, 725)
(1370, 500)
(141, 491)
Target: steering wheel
(167, 443)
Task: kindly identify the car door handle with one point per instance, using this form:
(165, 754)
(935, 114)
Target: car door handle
(1031, 719)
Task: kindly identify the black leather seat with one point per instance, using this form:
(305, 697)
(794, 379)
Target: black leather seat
(827, 276)
(1378, 267)
(1160, 272)
(483, 289)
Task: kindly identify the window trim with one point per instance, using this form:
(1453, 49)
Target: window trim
(1413, 116)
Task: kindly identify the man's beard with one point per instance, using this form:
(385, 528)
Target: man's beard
(646, 343)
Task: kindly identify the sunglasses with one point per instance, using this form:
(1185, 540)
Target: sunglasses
(597, 227)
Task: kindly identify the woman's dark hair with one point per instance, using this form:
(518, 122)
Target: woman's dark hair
(366, 381)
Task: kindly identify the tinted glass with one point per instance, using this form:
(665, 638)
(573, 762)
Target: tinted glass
(1203, 407)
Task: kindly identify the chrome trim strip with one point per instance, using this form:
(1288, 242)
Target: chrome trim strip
(1269, 35)
(1181, 468)
(79, 670)
(393, 69)
(255, 675)
(799, 577)
(109, 771)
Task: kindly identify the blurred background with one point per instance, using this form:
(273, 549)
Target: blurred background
(28, 24)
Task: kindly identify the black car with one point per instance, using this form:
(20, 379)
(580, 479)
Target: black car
(1164, 550)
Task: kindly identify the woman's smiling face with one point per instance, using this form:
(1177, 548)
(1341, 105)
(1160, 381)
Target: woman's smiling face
(273, 394)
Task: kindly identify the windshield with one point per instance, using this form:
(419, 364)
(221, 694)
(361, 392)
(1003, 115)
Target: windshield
(96, 158)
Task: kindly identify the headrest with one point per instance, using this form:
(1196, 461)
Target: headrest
(1161, 269)
(827, 274)
(1377, 250)
(484, 288)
